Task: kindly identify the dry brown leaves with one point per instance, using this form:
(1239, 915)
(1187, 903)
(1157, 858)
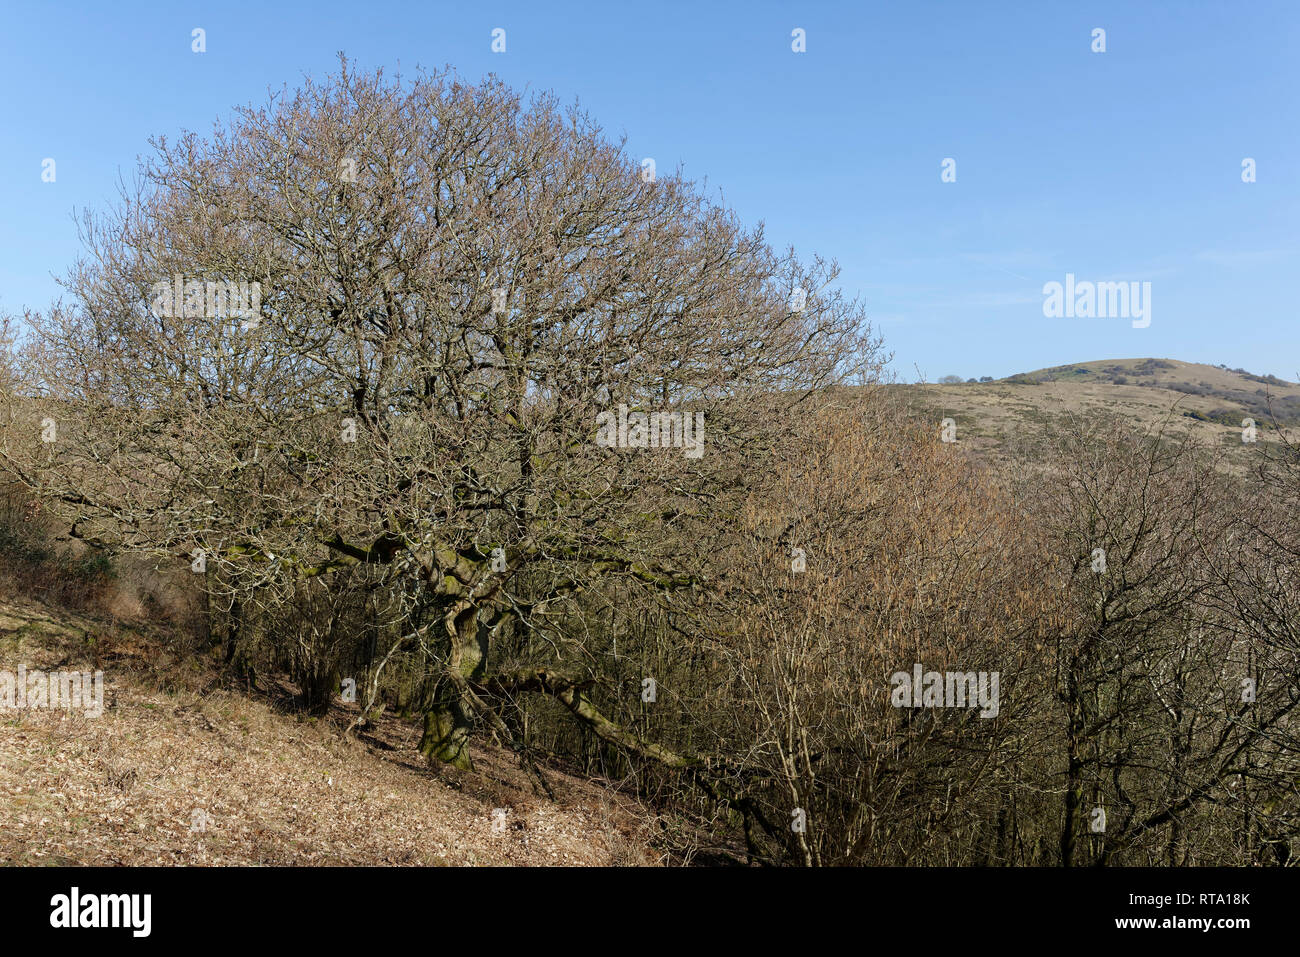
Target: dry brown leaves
(168, 775)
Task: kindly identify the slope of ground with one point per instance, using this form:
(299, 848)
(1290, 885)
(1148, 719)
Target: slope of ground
(178, 771)
(1007, 421)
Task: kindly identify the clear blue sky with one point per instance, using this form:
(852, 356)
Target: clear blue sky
(1118, 165)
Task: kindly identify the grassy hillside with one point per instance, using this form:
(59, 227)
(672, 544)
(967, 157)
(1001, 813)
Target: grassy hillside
(1006, 420)
(181, 770)
(186, 767)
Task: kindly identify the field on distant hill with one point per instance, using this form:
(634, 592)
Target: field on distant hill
(1006, 420)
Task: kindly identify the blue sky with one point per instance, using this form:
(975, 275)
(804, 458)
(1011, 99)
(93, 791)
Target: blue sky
(1123, 165)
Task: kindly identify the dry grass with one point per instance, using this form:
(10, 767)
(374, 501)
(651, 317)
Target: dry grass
(178, 771)
(1007, 422)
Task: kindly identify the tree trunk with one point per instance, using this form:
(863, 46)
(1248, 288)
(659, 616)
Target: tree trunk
(447, 722)
(1073, 780)
(446, 729)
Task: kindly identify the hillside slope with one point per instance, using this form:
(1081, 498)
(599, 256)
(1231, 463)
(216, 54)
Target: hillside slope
(179, 771)
(1008, 420)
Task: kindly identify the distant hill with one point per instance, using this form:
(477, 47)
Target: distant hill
(1007, 419)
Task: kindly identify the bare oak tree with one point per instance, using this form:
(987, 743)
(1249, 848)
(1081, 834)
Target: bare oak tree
(375, 324)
